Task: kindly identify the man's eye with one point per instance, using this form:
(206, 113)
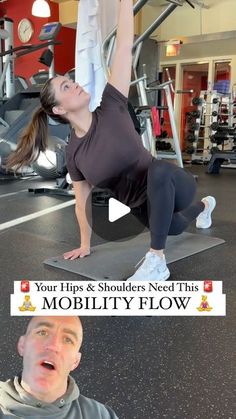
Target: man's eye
(68, 340)
(42, 332)
(66, 86)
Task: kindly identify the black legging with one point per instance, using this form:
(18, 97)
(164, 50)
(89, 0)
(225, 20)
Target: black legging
(168, 209)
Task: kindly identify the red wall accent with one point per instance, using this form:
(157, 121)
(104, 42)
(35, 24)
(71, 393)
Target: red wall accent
(28, 64)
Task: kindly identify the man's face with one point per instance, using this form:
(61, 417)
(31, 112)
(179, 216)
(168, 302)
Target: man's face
(50, 350)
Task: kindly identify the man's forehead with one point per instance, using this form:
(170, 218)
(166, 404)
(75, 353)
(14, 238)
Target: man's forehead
(72, 322)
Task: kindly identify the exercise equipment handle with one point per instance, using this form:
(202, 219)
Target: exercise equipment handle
(184, 91)
(37, 47)
(170, 80)
(170, 8)
(190, 4)
(12, 50)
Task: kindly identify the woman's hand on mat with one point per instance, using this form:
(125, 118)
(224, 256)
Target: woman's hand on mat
(77, 253)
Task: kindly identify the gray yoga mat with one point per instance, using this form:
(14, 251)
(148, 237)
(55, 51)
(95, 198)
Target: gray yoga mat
(116, 260)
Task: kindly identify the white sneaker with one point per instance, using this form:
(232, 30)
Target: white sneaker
(204, 219)
(153, 268)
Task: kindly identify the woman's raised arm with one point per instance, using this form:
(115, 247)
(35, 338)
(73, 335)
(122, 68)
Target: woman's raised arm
(122, 61)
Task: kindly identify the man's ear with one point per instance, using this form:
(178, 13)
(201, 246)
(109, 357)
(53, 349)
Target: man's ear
(21, 345)
(58, 110)
(77, 361)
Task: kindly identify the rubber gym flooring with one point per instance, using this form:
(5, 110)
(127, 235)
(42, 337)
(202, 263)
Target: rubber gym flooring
(143, 367)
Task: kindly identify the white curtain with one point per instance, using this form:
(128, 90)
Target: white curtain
(96, 18)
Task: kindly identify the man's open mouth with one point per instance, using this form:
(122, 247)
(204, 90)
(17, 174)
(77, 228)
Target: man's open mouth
(48, 365)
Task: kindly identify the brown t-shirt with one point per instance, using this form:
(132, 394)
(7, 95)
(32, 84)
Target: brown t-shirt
(111, 154)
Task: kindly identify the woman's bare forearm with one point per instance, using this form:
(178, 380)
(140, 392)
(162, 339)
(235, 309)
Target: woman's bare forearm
(85, 221)
(122, 61)
(125, 28)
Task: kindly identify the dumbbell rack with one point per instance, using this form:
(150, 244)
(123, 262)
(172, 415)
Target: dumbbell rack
(222, 135)
(225, 136)
(207, 110)
(215, 124)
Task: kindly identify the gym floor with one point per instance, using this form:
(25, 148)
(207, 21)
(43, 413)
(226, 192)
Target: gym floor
(143, 367)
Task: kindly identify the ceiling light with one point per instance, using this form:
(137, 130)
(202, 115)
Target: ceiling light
(41, 8)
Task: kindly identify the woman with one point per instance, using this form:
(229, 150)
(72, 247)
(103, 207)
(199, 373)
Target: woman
(106, 151)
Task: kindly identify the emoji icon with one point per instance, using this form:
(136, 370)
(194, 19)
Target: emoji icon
(208, 285)
(27, 305)
(204, 305)
(24, 286)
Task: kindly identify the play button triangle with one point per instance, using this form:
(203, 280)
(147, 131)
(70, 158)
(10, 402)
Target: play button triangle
(116, 210)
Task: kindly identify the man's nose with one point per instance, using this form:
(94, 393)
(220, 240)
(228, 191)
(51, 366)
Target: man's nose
(53, 343)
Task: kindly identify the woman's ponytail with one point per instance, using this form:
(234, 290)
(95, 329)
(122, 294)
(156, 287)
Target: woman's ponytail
(32, 141)
(35, 136)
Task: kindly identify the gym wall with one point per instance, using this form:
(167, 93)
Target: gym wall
(215, 28)
(185, 21)
(28, 65)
